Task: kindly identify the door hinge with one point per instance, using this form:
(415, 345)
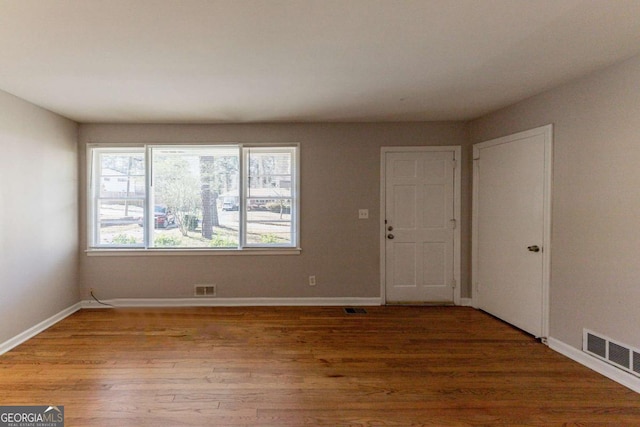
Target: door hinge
(454, 283)
(454, 163)
(453, 223)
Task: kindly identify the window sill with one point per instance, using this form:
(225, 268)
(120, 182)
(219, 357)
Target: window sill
(192, 252)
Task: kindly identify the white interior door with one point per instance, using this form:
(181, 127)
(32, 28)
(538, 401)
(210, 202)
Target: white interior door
(511, 224)
(420, 221)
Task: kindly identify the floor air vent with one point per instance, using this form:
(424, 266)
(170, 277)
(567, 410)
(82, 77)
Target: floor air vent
(619, 355)
(353, 310)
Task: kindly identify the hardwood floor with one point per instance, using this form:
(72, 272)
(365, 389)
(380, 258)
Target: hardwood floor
(297, 366)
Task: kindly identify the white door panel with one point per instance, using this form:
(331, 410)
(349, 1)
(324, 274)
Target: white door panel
(434, 212)
(510, 198)
(404, 265)
(404, 202)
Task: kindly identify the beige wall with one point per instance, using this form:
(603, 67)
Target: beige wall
(340, 173)
(38, 215)
(595, 271)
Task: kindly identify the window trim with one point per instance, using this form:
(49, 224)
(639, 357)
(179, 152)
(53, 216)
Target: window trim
(128, 252)
(144, 250)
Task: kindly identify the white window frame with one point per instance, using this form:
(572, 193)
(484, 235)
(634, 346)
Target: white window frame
(147, 249)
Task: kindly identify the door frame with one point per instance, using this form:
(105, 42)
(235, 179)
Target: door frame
(547, 132)
(457, 179)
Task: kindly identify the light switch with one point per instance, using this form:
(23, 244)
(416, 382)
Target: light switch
(363, 214)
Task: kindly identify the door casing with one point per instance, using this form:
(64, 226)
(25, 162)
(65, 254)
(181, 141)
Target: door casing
(457, 151)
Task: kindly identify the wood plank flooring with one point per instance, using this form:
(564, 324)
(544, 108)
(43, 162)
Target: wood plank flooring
(305, 366)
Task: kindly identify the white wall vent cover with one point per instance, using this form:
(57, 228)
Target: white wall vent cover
(619, 355)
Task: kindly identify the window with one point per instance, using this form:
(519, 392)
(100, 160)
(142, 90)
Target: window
(118, 206)
(268, 196)
(193, 197)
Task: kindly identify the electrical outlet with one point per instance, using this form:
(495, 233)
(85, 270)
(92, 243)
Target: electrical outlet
(312, 280)
(363, 214)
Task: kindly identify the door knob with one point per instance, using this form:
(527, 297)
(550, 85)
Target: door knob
(534, 248)
(390, 236)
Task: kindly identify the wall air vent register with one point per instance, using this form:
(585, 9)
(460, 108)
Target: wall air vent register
(615, 353)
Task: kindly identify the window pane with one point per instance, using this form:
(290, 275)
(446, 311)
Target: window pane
(270, 224)
(269, 173)
(190, 188)
(120, 222)
(118, 188)
(121, 175)
(270, 196)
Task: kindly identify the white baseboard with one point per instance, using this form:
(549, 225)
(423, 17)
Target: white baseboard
(611, 372)
(35, 330)
(230, 302)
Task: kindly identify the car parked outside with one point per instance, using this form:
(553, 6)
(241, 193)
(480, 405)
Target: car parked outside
(163, 217)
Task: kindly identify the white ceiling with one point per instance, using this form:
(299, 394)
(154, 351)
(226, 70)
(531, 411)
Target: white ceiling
(217, 61)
